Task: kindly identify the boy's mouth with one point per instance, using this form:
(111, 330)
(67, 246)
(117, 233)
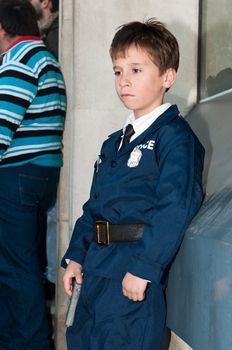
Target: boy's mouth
(126, 95)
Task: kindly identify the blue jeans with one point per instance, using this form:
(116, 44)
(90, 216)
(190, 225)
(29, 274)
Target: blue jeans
(51, 244)
(26, 193)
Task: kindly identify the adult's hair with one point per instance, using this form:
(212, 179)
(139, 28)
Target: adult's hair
(152, 36)
(55, 5)
(18, 17)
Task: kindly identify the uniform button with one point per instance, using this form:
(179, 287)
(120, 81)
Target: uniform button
(96, 195)
(113, 163)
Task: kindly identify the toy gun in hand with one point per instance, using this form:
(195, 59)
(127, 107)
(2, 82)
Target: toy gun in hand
(73, 303)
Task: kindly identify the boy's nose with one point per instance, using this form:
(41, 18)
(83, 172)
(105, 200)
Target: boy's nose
(124, 81)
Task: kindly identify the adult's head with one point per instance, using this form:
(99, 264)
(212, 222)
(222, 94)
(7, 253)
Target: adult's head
(44, 8)
(18, 18)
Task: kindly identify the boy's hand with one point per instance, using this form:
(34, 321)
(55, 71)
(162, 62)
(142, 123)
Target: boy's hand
(134, 287)
(73, 270)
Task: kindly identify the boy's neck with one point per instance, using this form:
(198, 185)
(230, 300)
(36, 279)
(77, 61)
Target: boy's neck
(160, 106)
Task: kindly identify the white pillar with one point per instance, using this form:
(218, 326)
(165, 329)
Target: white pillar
(67, 59)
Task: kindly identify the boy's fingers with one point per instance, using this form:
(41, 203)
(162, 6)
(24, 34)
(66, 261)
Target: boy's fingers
(68, 285)
(135, 296)
(79, 278)
(73, 270)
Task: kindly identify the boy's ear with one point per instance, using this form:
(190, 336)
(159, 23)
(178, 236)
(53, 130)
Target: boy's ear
(169, 78)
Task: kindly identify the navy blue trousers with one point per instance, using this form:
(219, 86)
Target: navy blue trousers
(106, 320)
(26, 193)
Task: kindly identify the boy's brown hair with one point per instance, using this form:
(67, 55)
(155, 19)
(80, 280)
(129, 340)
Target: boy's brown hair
(152, 36)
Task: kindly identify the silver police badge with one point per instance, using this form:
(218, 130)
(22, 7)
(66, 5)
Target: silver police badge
(135, 157)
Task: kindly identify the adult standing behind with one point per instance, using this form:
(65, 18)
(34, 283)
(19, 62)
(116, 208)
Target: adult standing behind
(48, 20)
(32, 113)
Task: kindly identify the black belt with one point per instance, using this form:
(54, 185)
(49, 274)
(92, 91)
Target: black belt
(105, 233)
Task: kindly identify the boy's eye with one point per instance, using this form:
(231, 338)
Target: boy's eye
(136, 70)
(117, 73)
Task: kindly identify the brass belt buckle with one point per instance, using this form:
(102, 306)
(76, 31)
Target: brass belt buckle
(102, 230)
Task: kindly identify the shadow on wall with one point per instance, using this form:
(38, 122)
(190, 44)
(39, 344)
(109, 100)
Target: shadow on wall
(222, 81)
(216, 54)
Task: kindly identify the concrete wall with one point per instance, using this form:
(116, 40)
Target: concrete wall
(216, 47)
(217, 35)
(94, 111)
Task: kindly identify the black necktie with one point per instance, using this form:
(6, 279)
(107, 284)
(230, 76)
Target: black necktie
(127, 135)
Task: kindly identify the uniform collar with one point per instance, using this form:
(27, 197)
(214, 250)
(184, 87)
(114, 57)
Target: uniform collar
(142, 123)
(168, 114)
(164, 119)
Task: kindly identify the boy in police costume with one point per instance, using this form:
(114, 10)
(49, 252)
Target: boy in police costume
(147, 186)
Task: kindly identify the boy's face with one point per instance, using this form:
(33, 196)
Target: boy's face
(138, 82)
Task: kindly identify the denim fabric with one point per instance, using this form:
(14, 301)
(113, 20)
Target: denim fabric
(26, 193)
(51, 244)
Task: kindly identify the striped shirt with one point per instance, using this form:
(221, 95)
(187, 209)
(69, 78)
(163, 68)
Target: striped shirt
(32, 106)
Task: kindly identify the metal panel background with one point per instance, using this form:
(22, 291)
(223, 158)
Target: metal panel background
(199, 295)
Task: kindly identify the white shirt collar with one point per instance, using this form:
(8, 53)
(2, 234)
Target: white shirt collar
(142, 123)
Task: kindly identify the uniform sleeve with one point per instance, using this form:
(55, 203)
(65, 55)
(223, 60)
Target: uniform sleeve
(178, 197)
(82, 235)
(18, 87)
(81, 238)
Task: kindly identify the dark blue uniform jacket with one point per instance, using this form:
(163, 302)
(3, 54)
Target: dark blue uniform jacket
(163, 191)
